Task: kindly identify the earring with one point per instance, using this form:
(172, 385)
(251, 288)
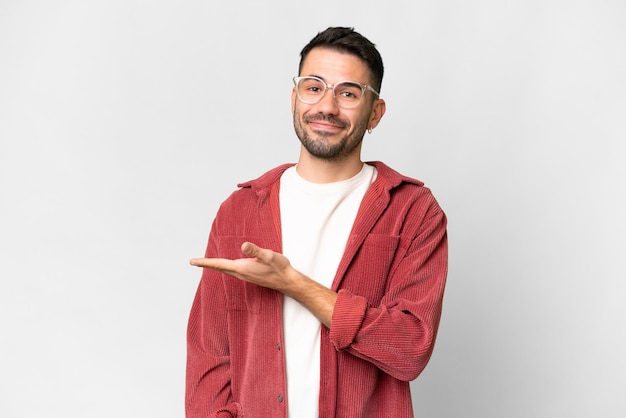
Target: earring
(369, 130)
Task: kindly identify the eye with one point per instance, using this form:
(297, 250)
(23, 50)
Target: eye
(311, 86)
(348, 94)
(348, 91)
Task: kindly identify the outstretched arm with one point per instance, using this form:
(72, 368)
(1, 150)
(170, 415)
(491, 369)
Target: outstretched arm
(270, 269)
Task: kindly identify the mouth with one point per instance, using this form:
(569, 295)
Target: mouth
(325, 124)
(324, 127)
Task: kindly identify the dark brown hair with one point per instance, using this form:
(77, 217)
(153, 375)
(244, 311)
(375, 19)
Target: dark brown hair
(347, 40)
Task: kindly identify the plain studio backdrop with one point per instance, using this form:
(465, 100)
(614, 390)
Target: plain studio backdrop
(124, 124)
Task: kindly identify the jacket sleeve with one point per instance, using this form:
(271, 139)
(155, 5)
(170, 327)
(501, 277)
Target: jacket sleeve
(208, 388)
(398, 334)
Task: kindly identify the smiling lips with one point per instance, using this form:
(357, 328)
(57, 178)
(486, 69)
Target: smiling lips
(325, 123)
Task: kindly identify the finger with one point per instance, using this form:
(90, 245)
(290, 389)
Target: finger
(195, 261)
(211, 263)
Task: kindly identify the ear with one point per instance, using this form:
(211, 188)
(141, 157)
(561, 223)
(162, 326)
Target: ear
(378, 110)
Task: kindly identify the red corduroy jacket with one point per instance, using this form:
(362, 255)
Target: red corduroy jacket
(390, 283)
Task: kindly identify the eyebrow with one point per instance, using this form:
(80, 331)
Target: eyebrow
(318, 76)
(340, 81)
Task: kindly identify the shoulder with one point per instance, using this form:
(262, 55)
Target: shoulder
(266, 179)
(391, 176)
(253, 190)
(403, 190)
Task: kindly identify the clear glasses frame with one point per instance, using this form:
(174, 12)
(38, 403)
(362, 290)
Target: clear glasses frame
(332, 87)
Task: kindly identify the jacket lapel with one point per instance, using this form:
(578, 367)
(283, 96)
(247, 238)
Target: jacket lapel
(374, 202)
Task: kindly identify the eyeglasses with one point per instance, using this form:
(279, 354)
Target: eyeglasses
(347, 94)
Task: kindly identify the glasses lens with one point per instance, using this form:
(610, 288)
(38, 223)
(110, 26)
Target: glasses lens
(348, 94)
(310, 90)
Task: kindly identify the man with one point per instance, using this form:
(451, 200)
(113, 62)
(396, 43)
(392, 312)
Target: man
(323, 281)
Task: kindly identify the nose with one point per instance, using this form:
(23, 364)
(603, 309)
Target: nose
(327, 103)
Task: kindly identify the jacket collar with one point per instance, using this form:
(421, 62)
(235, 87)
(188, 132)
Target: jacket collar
(388, 178)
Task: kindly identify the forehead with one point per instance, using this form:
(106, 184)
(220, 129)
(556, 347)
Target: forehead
(333, 66)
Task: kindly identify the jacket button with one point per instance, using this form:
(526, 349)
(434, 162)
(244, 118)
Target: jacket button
(280, 398)
(278, 347)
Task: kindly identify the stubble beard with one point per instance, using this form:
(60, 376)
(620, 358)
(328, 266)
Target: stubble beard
(320, 145)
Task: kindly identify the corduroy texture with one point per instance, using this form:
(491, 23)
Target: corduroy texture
(390, 281)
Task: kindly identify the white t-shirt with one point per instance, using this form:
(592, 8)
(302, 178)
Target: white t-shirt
(316, 219)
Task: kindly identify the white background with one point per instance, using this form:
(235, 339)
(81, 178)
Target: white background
(124, 124)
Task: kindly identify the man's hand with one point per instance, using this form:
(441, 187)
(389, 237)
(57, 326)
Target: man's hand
(263, 267)
(270, 269)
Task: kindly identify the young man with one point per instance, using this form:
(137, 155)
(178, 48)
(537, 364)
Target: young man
(323, 281)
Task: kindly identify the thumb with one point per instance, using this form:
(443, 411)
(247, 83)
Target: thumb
(250, 250)
(263, 255)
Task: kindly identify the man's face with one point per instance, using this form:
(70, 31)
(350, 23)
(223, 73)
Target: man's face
(326, 130)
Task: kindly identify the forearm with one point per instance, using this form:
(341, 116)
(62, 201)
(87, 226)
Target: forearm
(318, 299)
(398, 338)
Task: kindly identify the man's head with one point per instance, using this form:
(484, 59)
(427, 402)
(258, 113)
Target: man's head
(335, 98)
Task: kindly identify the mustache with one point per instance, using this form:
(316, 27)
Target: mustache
(320, 117)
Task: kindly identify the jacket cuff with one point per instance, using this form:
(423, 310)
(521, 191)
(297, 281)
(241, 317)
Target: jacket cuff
(348, 316)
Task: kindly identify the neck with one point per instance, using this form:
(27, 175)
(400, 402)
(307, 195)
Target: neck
(318, 170)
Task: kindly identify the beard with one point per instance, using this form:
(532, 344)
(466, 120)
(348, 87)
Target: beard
(319, 144)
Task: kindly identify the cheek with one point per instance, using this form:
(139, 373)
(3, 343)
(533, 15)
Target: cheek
(360, 122)
(296, 108)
